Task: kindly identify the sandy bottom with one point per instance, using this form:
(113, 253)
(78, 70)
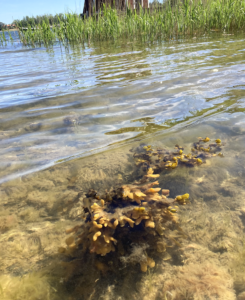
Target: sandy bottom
(36, 210)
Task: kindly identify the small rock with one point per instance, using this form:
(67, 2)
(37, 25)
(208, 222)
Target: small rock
(33, 127)
(71, 119)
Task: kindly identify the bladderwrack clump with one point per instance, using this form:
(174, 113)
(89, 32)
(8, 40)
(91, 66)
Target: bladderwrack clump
(163, 159)
(133, 217)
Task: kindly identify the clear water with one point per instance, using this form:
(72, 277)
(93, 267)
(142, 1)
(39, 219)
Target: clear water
(69, 117)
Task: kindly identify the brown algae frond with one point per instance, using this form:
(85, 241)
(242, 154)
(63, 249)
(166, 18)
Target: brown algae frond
(163, 159)
(134, 216)
(135, 224)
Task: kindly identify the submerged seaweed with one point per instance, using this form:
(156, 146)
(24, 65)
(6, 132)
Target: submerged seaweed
(134, 224)
(127, 242)
(200, 281)
(134, 221)
(163, 159)
(33, 286)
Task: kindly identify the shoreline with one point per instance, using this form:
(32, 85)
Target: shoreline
(10, 30)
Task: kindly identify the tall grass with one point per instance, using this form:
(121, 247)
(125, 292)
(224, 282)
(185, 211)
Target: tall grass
(183, 18)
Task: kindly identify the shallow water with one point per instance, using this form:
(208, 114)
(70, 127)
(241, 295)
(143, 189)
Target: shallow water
(71, 119)
(60, 103)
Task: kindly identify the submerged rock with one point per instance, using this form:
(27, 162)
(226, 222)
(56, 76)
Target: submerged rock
(33, 126)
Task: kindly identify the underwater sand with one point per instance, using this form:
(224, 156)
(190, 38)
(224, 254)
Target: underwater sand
(36, 211)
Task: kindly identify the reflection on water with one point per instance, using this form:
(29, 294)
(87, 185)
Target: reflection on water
(57, 103)
(76, 116)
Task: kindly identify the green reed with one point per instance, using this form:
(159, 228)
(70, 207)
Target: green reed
(3, 37)
(185, 17)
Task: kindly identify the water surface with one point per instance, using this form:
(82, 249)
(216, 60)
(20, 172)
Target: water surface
(62, 102)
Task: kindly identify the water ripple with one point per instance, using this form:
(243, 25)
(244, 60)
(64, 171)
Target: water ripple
(57, 103)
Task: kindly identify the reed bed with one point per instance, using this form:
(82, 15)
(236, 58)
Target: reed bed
(169, 20)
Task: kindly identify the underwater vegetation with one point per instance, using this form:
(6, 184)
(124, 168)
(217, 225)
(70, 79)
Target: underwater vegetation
(131, 241)
(33, 286)
(132, 227)
(164, 159)
(135, 218)
(238, 268)
(7, 222)
(198, 282)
